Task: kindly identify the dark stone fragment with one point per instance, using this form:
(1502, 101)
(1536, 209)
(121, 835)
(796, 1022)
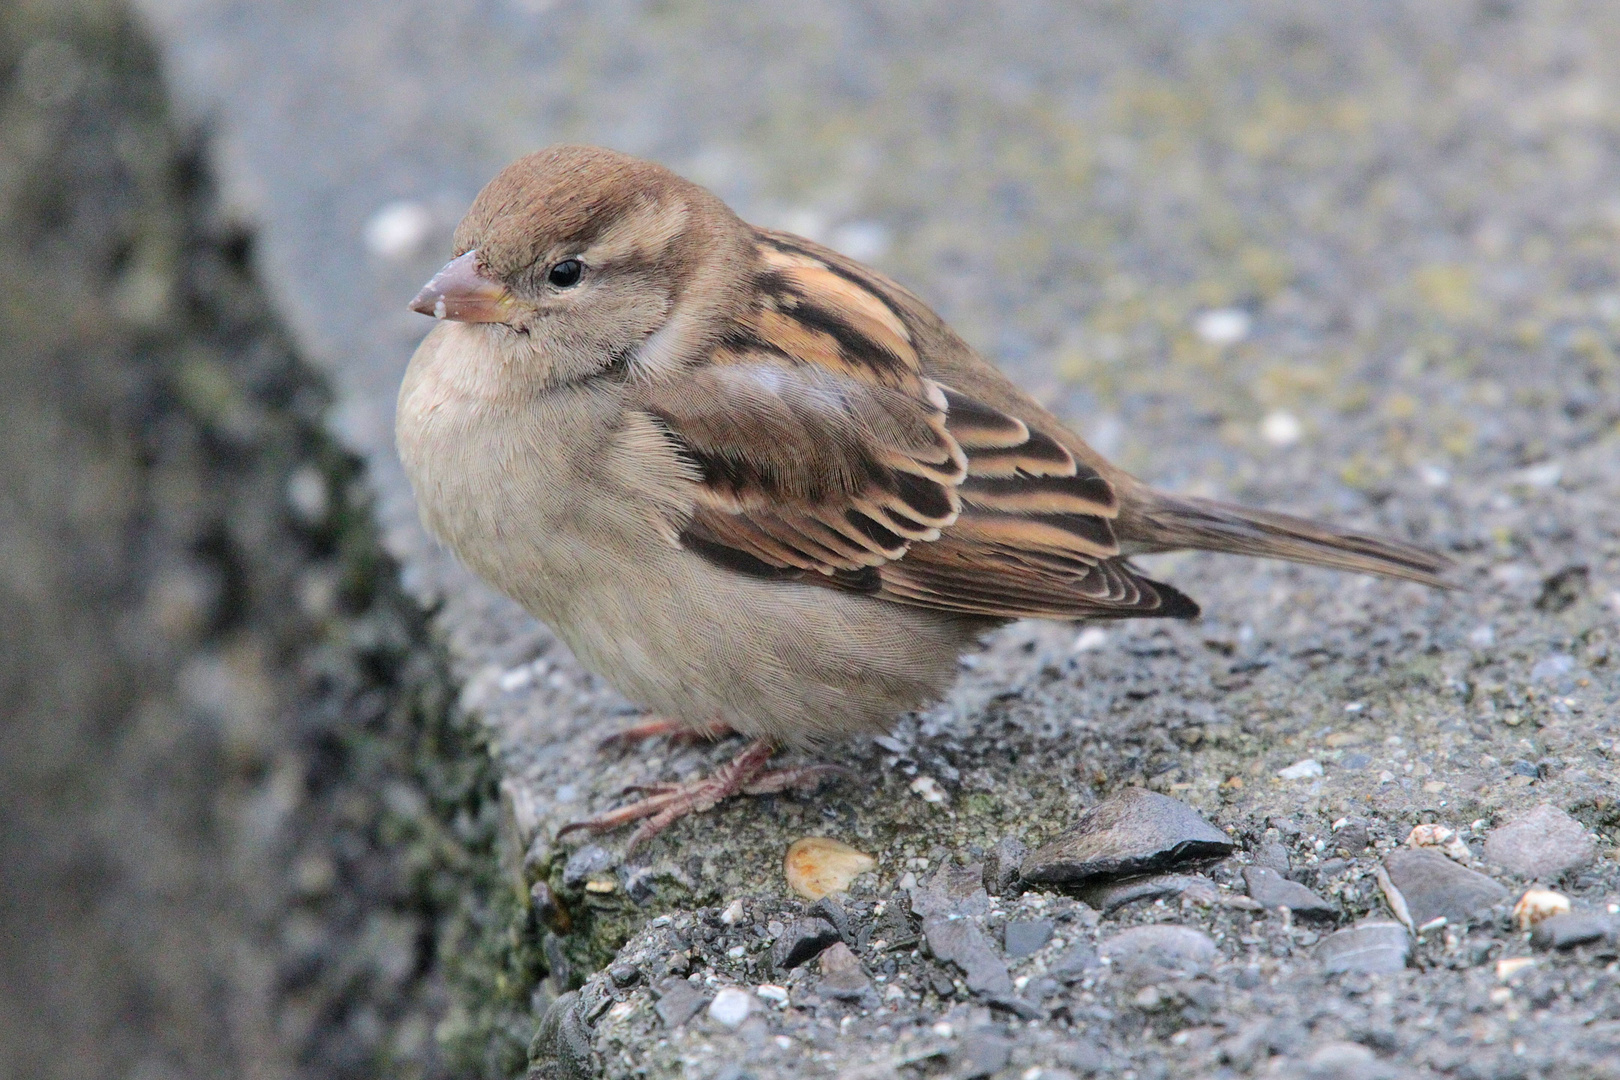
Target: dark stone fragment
(1374, 946)
(1574, 928)
(831, 910)
(583, 864)
(1020, 1008)
(1075, 962)
(1564, 589)
(979, 1054)
(802, 940)
(1434, 886)
(678, 1002)
(959, 942)
(1109, 896)
(561, 1048)
(545, 906)
(1544, 844)
(1001, 865)
(624, 974)
(1271, 890)
(1024, 936)
(842, 976)
(1162, 950)
(1135, 831)
(941, 984)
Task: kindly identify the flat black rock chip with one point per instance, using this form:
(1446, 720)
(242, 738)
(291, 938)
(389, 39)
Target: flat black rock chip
(1135, 831)
(1024, 936)
(1375, 946)
(1434, 886)
(802, 940)
(1574, 928)
(1271, 890)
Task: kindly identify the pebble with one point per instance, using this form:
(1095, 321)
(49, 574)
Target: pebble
(1344, 1061)
(678, 1002)
(980, 1054)
(1435, 887)
(586, 863)
(1162, 950)
(1271, 890)
(1351, 836)
(731, 1007)
(1077, 961)
(1442, 838)
(1025, 936)
(1001, 865)
(562, 1040)
(1109, 896)
(842, 977)
(802, 940)
(1539, 904)
(1373, 946)
(960, 942)
(1273, 855)
(1543, 845)
(1574, 928)
(1301, 770)
(1134, 831)
(818, 865)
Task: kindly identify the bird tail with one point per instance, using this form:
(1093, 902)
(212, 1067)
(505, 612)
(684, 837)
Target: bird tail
(1181, 521)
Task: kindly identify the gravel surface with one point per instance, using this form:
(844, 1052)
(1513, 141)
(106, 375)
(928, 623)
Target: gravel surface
(1351, 261)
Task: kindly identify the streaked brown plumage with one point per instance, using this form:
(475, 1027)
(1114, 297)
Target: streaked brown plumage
(751, 481)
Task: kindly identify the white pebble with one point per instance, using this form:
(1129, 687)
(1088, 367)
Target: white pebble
(772, 992)
(730, 1007)
(1301, 770)
(1091, 638)
(1281, 428)
(398, 229)
(1223, 326)
(733, 913)
(1483, 636)
(929, 789)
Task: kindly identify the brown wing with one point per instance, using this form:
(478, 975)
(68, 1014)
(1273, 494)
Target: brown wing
(827, 452)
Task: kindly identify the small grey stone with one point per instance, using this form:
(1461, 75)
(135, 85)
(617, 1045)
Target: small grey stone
(624, 974)
(952, 890)
(1544, 844)
(1274, 856)
(1162, 950)
(1374, 946)
(1352, 837)
(1343, 1061)
(1109, 896)
(980, 1053)
(801, 940)
(1075, 962)
(561, 1047)
(1024, 936)
(958, 941)
(678, 1002)
(1134, 831)
(1574, 928)
(1001, 865)
(584, 863)
(842, 975)
(1271, 890)
(1434, 886)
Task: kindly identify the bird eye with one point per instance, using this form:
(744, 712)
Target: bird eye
(566, 273)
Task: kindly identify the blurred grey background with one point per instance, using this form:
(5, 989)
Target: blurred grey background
(1358, 260)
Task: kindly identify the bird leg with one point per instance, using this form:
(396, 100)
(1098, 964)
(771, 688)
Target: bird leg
(657, 726)
(666, 804)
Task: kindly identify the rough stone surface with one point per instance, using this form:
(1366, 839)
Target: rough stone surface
(1024, 936)
(1435, 887)
(1574, 928)
(1351, 260)
(1372, 946)
(1109, 896)
(802, 940)
(1133, 832)
(1543, 845)
(1271, 890)
(1160, 951)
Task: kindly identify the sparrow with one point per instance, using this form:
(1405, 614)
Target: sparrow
(756, 485)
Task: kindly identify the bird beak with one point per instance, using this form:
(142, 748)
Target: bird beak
(461, 293)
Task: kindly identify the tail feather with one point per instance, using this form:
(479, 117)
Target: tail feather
(1179, 521)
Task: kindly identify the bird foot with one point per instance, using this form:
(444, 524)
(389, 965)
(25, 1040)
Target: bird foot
(666, 804)
(661, 726)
